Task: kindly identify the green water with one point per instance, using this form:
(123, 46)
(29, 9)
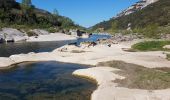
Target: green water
(44, 81)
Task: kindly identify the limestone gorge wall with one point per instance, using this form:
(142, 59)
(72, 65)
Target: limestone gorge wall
(150, 1)
(137, 6)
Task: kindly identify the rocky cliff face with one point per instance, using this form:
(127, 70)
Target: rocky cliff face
(137, 6)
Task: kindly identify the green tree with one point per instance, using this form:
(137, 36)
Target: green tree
(55, 12)
(27, 3)
(67, 23)
(114, 26)
(151, 31)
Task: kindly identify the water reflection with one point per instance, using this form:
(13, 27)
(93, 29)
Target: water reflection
(16, 48)
(92, 38)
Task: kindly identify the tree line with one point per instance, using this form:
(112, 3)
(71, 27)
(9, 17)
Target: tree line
(27, 15)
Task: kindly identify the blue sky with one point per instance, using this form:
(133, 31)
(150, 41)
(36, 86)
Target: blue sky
(85, 12)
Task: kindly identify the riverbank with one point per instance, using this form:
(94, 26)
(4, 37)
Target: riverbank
(51, 37)
(109, 90)
(103, 75)
(36, 35)
(93, 55)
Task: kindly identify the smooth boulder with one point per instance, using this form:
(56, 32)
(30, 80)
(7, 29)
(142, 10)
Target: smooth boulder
(10, 34)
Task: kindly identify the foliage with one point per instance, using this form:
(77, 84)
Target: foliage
(13, 14)
(145, 21)
(150, 45)
(31, 33)
(114, 27)
(8, 4)
(151, 31)
(26, 2)
(55, 12)
(52, 30)
(168, 56)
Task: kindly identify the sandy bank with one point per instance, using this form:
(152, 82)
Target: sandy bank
(108, 90)
(51, 37)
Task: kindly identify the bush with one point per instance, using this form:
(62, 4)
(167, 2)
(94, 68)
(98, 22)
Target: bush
(164, 30)
(31, 33)
(52, 30)
(150, 45)
(151, 31)
(168, 56)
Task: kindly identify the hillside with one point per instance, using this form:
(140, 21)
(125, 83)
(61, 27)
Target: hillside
(135, 7)
(13, 14)
(156, 14)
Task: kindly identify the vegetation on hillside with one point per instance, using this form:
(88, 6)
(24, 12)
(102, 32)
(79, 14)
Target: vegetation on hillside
(26, 15)
(152, 20)
(150, 46)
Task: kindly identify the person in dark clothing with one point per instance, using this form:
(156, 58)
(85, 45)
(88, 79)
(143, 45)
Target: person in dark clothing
(79, 33)
(92, 44)
(109, 45)
(90, 34)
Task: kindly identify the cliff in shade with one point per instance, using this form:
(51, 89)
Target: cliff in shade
(140, 15)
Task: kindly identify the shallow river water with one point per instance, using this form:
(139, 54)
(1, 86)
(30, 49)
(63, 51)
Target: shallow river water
(44, 81)
(9, 49)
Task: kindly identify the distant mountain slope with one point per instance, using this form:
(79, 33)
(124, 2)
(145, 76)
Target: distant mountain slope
(156, 13)
(135, 7)
(15, 15)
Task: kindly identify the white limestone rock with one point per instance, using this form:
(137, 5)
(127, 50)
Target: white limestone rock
(40, 32)
(12, 34)
(4, 62)
(167, 47)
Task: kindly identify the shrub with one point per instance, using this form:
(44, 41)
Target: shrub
(150, 45)
(31, 33)
(151, 31)
(168, 56)
(52, 30)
